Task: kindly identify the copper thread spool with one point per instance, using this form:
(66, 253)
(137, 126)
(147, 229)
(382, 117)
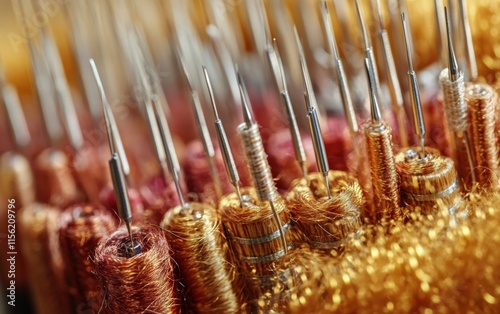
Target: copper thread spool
(81, 227)
(386, 199)
(55, 183)
(429, 183)
(158, 197)
(326, 223)
(254, 237)
(38, 234)
(198, 246)
(139, 284)
(482, 101)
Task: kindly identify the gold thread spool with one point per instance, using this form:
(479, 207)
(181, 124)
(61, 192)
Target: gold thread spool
(38, 235)
(16, 179)
(326, 222)
(453, 100)
(386, 199)
(143, 283)
(255, 238)
(198, 246)
(428, 183)
(16, 183)
(482, 101)
(81, 227)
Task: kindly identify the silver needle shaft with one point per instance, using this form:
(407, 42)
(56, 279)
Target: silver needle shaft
(319, 145)
(231, 169)
(418, 118)
(116, 165)
(279, 75)
(471, 56)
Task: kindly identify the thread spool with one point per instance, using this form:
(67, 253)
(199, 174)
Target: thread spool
(81, 227)
(199, 246)
(257, 161)
(326, 223)
(108, 200)
(17, 184)
(38, 235)
(384, 177)
(55, 184)
(428, 184)
(255, 238)
(16, 179)
(482, 101)
(139, 284)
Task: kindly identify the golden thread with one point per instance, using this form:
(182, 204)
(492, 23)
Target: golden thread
(326, 222)
(254, 238)
(427, 184)
(16, 179)
(386, 199)
(55, 184)
(81, 227)
(143, 283)
(482, 101)
(40, 248)
(197, 242)
(429, 265)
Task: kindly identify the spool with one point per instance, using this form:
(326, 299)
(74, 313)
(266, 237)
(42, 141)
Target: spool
(385, 206)
(40, 249)
(199, 246)
(428, 184)
(158, 197)
(482, 102)
(55, 183)
(255, 239)
(139, 284)
(91, 169)
(81, 227)
(326, 223)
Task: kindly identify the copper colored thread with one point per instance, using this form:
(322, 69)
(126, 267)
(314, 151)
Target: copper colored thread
(427, 184)
(482, 102)
(143, 283)
(198, 246)
(81, 227)
(158, 197)
(326, 222)
(37, 227)
(385, 187)
(55, 183)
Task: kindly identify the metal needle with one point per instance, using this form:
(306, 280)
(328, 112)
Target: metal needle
(319, 145)
(471, 56)
(116, 164)
(392, 77)
(279, 75)
(344, 85)
(454, 74)
(418, 118)
(231, 169)
(203, 130)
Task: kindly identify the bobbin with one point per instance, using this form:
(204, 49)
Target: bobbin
(428, 183)
(326, 223)
(198, 244)
(482, 101)
(254, 237)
